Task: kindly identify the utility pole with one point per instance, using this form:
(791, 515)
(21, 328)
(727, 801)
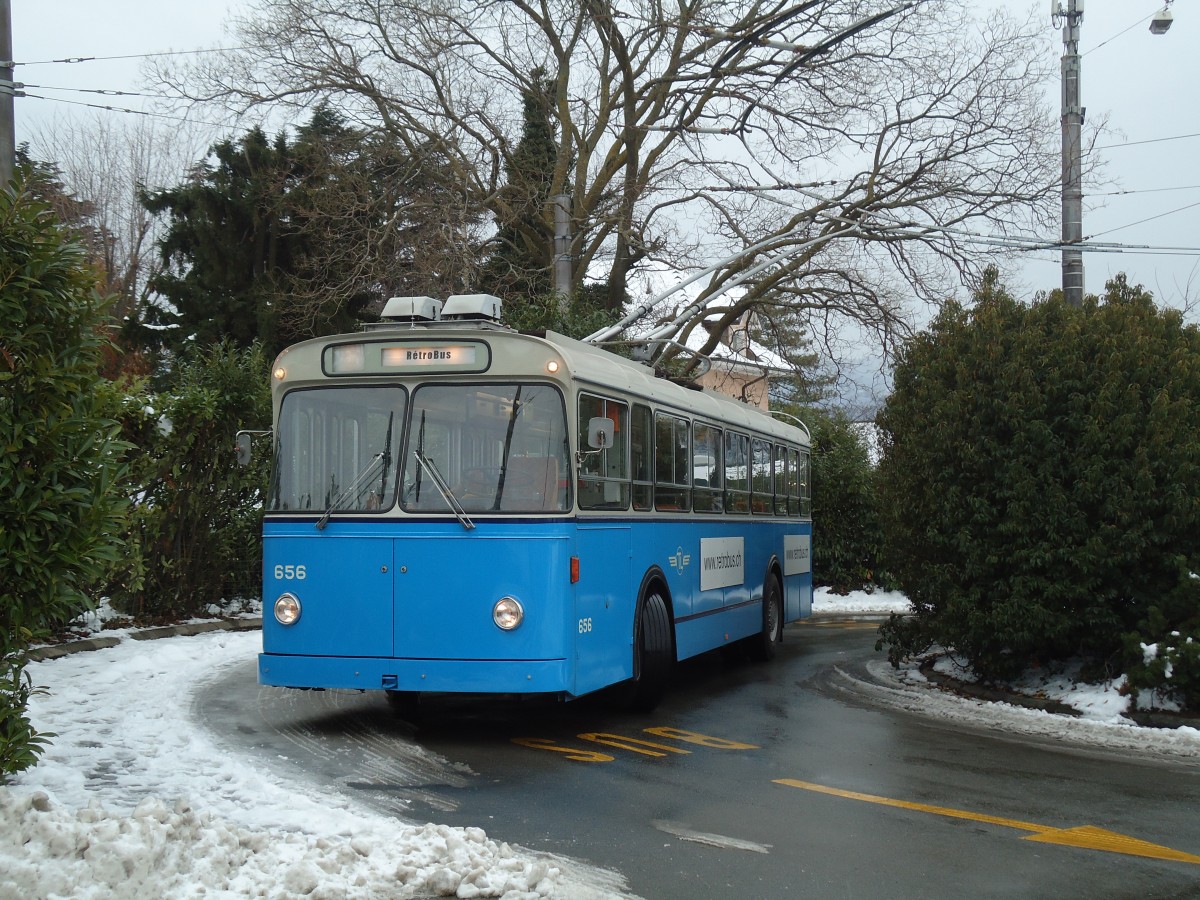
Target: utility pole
(1072, 155)
(8, 130)
(562, 274)
(1072, 140)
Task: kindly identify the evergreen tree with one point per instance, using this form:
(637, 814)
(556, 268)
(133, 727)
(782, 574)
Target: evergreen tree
(1036, 477)
(225, 246)
(59, 503)
(520, 266)
(241, 229)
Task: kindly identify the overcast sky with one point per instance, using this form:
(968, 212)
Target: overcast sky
(1148, 86)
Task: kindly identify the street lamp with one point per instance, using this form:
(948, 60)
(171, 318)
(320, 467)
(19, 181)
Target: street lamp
(1162, 20)
(1070, 17)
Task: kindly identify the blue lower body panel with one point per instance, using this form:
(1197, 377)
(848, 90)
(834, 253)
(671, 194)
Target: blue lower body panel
(538, 676)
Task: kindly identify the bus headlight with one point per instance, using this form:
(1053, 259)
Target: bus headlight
(507, 613)
(287, 609)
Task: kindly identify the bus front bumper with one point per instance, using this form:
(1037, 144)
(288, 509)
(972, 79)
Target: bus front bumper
(471, 676)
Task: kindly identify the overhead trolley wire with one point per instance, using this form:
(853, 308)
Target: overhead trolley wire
(120, 109)
(83, 59)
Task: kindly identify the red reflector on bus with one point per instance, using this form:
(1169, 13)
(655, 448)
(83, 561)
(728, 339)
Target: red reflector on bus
(574, 569)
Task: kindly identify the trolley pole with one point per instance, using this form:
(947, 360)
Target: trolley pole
(1072, 156)
(8, 132)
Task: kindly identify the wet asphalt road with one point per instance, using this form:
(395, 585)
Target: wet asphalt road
(775, 780)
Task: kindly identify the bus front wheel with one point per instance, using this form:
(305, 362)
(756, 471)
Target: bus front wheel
(764, 645)
(654, 655)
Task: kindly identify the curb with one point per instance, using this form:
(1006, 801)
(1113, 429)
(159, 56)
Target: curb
(57, 651)
(995, 695)
(1142, 718)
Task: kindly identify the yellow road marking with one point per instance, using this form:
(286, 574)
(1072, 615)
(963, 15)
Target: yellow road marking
(1086, 837)
(647, 748)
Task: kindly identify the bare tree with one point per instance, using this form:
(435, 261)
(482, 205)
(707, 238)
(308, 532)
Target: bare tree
(859, 146)
(105, 162)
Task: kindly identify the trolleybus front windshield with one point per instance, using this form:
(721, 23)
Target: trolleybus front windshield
(336, 450)
(492, 447)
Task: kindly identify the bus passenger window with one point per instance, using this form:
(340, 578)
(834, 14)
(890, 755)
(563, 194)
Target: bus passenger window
(781, 479)
(604, 472)
(793, 482)
(706, 468)
(642, 434)
(737, 473)
(805, 483)
(761, 487)
(672, 460)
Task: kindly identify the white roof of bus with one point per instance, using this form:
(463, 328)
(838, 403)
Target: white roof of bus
(594, 366)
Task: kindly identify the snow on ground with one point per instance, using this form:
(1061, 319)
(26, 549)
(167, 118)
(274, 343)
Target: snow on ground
(1100, 707)
(133, 799)
(877, 601)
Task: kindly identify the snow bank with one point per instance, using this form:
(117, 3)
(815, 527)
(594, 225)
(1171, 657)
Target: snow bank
(132, 799)
(825, 601)
(161, 851)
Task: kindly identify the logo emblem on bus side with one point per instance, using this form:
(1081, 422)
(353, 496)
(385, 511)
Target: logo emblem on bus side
(680, 560)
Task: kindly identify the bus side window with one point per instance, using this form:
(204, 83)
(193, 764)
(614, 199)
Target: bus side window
(642, 434)
(604, 472)
(672, 462)
(793, 482)
(781, 480)
(761, 498)
(707, 470)
(805, 483)
(737, 473)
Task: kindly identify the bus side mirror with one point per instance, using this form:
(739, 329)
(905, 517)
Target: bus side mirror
(243, 448)
(600, 433)
(244, 439)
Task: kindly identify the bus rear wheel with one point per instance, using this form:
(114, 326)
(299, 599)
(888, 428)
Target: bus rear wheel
(654, 656)
(765, 645)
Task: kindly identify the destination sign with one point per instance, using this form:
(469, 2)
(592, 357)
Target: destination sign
(367, 357)
(412, 355)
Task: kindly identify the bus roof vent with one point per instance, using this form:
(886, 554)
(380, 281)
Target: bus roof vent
(411, 309)
(472, 306)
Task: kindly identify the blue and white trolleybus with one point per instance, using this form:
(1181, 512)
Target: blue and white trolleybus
(458, 507)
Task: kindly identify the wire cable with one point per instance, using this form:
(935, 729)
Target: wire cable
(1177, 137)
(135, 112)
(83, 59)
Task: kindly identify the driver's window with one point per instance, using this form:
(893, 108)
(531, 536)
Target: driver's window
(604, 471)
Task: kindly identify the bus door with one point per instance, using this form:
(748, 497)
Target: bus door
(604, 603)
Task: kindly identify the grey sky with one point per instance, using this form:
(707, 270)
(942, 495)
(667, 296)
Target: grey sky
(1147, 86)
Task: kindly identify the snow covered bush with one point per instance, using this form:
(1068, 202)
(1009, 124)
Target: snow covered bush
(1162, 657)
(195, 530)
(60, 459)
(1039, 476)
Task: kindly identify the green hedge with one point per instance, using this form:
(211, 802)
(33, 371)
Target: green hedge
(1039, 479)
(195, 531)
(60, 460)
(847, 533)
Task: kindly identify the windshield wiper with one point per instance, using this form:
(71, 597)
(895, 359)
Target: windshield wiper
(444, 489)
(382, 458)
